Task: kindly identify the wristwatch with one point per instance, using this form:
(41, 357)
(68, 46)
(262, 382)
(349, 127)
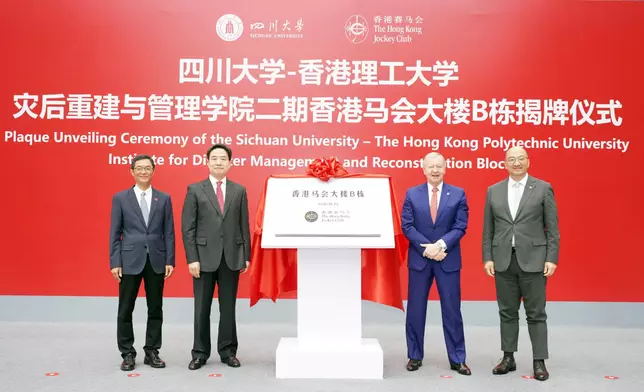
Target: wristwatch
(442, 245)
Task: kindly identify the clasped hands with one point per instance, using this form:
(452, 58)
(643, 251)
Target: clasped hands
(433, 251)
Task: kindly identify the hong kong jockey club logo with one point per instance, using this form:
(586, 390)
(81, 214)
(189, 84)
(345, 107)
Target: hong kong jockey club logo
(356, 29)
(311, 216)
(229, 27)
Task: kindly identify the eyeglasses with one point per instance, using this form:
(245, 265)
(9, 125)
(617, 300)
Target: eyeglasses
(434, 167)
(520, 159)
(140, 169)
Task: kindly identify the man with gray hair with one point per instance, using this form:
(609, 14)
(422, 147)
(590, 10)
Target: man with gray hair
(521, 250)
(434, 219)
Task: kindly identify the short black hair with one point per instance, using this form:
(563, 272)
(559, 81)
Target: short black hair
(140, 158)
(223, 147)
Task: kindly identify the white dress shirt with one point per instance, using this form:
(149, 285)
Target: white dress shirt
(440, 242)
(514, 196)
(148, 195)
(148, 198)
(213, 181)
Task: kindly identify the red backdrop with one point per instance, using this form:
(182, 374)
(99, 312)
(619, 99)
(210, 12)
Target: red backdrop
(581, 55)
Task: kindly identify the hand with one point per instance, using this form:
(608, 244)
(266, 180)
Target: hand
(117, 273)
(440, 256)
(549, 269)
(431, 250)
(168, 271)
(489, 268)
(245, 269)
(195, 269)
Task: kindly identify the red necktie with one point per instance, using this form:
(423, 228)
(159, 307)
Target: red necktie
(220, 196)
(433, 205)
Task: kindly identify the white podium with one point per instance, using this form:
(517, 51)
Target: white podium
(329, 223)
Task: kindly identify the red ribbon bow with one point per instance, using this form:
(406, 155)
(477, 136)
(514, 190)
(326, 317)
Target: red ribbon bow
(324, 168)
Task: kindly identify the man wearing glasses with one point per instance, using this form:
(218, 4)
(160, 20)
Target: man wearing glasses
(521, 250)
(142, 247)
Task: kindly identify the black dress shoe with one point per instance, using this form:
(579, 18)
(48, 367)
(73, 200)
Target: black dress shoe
(461, 368)
(540, 371)
(506, 365)
(128, 363)
(196, 363)
(231, 361)
(414, 364)
(153, 360)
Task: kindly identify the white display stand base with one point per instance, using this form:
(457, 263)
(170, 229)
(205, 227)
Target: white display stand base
(296, 360)
(329, 341)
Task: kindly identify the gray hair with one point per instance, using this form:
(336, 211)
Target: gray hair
(433, 154)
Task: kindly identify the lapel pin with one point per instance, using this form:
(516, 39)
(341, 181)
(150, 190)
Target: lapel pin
(156, 199)
(447, 193)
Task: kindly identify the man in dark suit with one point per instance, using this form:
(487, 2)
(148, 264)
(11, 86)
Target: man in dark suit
(434, 219)
(216, 237)
(141, 248)
(521, 250)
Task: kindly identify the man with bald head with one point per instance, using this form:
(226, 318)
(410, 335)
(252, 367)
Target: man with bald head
(434, 219)
(521, 250)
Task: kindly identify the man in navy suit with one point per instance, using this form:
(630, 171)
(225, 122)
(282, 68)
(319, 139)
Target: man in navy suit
(141, 248)
(434, 219)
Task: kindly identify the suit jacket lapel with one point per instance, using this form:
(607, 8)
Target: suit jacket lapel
(154, 201)
(231, 188)
(210, 192)
(527, 192)
(506, 201)
(131, 196)
(445, 193)
(424, 201)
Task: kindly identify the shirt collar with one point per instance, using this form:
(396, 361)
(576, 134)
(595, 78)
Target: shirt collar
(522, 181)
(213, 181)
(138, 191)
(439, 186)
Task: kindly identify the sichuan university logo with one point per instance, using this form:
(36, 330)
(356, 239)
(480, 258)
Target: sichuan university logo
(229, 27)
